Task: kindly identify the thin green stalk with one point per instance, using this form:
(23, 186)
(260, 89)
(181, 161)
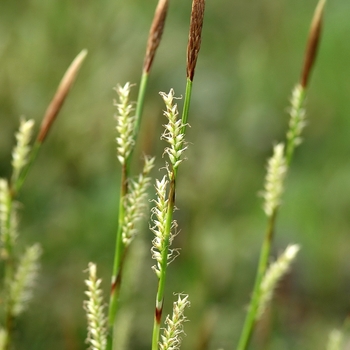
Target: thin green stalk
(120, 248)
(140, 103)
(253, 306)
(187, 101)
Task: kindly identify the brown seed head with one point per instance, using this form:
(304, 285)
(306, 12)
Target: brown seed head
(155, 33)
(195, 36)
(312, 43)
(60, 96)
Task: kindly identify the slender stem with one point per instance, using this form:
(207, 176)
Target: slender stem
(120, 248)
(187, 101)
(118, 258)
(253, 306)
(140, 103)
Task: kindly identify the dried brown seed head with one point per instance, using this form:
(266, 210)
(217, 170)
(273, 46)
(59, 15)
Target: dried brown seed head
(195, 36)
(312, 43)
(155, 33)
(60, 96)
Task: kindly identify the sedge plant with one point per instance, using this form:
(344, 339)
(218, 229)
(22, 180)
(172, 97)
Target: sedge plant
(132, 193)
(21, 268)
(276, 171)
(128, 129)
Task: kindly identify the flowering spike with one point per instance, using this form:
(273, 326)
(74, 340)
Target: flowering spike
(97, 331)
(135, 202)
(173, 130)
(24, 279)
(276, 170)
(171, 339)
(22, 148)
(125, 123)
(273, 275)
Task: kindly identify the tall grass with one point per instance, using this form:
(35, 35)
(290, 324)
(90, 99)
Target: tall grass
(21, 268)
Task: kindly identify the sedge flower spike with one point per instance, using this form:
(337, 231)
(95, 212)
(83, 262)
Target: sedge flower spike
(24, 280)
(159, 216)
(125, 123)
(173, 133)
(171, 339)
(276, 171)
(21, 151)
(273, 275)
(135, 202)
(97, 331)
(335, 340)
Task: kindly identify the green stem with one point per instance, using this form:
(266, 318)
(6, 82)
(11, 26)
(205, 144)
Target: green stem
(186, 107)
(140, 103)
(118, 259)
(250, 320)
(120, 248)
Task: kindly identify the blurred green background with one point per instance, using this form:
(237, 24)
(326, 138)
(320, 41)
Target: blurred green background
(250, 60)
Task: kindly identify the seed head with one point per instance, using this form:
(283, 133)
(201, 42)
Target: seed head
(195, 36)
(60, 96)
(312, 43)
(155, 33)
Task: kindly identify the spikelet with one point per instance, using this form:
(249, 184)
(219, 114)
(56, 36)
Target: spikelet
(21, 151)
(276, 170)
(94, 307)
(125, 123)
(21, 288)
(273, 275)
(171, 338)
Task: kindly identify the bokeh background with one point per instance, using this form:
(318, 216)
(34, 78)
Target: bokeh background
(250, 60)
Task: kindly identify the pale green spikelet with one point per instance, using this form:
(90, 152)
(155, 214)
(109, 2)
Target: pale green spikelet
(5, 210)
(159, 216)
(274, 273)
(94, 307)
(22, 148)
(125, 123)
(276, 170)
(8, 220)
(135, 201)
(297, 120)
(335, 340)
(3, 338)
(171, 338)
(173, 130)
(21, 288)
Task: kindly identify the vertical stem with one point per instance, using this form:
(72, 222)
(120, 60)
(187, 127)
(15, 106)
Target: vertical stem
(120, 248)
(118, 259)
(253, 306)
(187, 101)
